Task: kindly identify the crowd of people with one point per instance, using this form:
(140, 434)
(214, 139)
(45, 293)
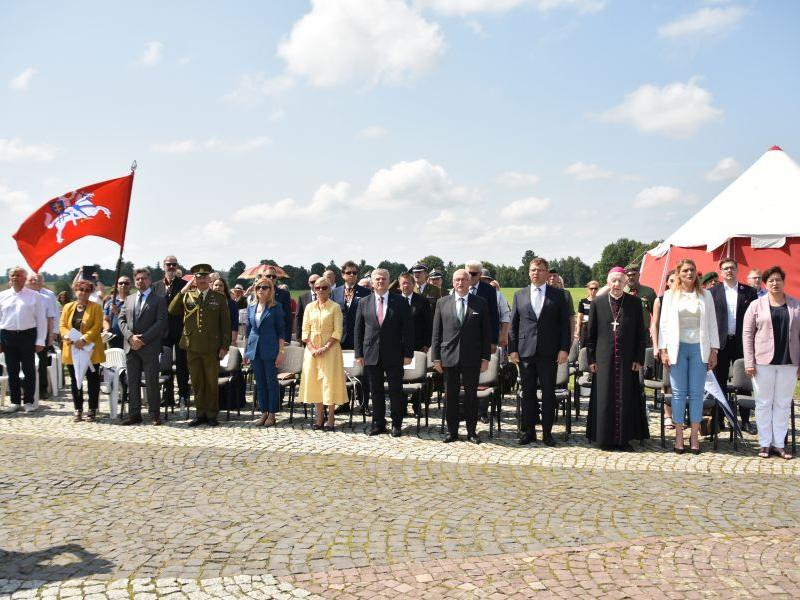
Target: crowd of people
(699, 324)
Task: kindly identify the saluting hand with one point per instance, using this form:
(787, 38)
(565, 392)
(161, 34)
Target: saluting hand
(484, 366)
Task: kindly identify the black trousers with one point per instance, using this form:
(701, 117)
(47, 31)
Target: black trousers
(725, 359)
(20, 350)
(538, 373)
(92, 382)
(394, 375)
(44, 359)
(454, 378)
(181, 370)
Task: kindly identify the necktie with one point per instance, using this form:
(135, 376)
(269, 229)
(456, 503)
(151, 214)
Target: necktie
(139, 302)
(409, 300)
(313, 297)
(380, 310)
(537, 302)
(473, 290)
(462, 309)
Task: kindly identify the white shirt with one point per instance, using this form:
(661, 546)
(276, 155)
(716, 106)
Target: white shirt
(52, 308)
(537, 297)
(731, 297)
(408, 299)
(144, 296)
(378, 302)
(23, 310)
(503, 308)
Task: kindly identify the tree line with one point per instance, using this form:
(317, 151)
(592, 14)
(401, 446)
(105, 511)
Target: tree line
(572, 269)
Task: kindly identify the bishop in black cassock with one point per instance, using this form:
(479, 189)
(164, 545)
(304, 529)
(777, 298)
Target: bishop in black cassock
(616, 345)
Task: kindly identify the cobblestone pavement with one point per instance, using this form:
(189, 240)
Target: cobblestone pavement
(102, 511)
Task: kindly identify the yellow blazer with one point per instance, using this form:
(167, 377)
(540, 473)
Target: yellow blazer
(91, 328)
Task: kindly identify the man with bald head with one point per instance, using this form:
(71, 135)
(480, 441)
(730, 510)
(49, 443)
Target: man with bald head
(461, 349)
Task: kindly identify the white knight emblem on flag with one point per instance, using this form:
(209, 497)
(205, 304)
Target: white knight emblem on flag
(70, 210)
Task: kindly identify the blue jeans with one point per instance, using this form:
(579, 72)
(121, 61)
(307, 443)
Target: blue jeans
(267, 388)
(687, 376)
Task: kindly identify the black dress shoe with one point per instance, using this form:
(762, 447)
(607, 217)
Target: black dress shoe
(751, 428)
(212, 423)
(626, 448)
(485, 419)
(396, 432)
(450, 438)
(548, 440)
(527, 437)
(197, 421)
(131, 420)
(377, 431)
(473, 438)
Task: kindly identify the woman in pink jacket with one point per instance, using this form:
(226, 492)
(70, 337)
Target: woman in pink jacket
(771, 340)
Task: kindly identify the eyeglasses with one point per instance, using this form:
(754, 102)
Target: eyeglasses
(170, 264)
(474, 273)
(271, 276)
(263, 287)
(322, 289)
(350, 272)
(123, 283)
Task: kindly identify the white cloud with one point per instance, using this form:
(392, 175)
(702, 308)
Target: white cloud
(661, 195)
(327, 200)
(14, 200)
(188, 146)
(514, 234)
(15, 149)
(412, 183)
(586, 172)
(21, 81)
(375, 42)
(472, 7)
(371, 133)
(216, 232)
(706, 22)
(329, 197)
(676, 110)
(526, 207)
(254, 87)
(726, 168)
(152, 54)
(514, 179)
(176, 147)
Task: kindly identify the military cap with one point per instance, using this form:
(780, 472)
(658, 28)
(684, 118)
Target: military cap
(201, 269)
(435, 274)
(708, 277)
(486, 274)
(417, 268)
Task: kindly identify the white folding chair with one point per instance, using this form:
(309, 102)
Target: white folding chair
(113, 368)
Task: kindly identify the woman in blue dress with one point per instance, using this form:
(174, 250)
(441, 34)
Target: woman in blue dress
(265, 348)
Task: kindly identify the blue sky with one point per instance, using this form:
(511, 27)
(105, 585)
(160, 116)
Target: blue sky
(336, 129)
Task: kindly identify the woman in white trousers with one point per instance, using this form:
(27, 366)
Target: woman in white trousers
(771, 340)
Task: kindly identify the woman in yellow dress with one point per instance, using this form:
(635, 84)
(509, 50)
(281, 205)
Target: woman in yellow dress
(322, 379)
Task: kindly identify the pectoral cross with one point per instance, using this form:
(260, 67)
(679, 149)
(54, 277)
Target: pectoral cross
(614, 324)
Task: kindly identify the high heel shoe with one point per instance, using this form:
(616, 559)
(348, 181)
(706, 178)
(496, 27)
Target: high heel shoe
(678, 450)
(317, 427)
(694, 450)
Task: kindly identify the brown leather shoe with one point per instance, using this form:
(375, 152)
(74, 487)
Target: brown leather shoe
(131, 420)
(156, 420)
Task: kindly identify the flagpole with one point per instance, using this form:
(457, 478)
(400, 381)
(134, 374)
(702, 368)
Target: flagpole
(121, 248)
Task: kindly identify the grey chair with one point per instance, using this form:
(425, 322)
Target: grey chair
(655, 384)
(289, 376)
(229, 381)
(581, 381)
(415, 384)
(355, 388)
(489, 389)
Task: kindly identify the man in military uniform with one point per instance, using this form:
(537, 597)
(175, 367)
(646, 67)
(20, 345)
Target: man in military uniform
(646, 294)
(206, 339)
(422, 287)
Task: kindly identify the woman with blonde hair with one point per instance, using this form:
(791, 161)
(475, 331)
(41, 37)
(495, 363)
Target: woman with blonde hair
(322, 380)
(87, 318)
(265, 348)
(688, 340)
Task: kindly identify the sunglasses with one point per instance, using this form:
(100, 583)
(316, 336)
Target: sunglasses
(123, 283)
(474, 273)
(350, 273)
(322, 289)
(170, 264)
(263, 287)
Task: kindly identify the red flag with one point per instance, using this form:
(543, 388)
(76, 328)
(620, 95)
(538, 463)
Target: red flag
(100, 209)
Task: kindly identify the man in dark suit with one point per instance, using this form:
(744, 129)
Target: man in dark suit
(461, 349)
(168, 288)
(347, 296)
(731, 300)
(539, 340)
(303, 301)
(142, 321)
(384, 343)
(284, 298)
(421, 312)
(489, 294)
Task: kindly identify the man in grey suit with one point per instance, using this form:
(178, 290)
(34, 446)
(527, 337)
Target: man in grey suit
(461, 350)
(143, 322)
(539, 340)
